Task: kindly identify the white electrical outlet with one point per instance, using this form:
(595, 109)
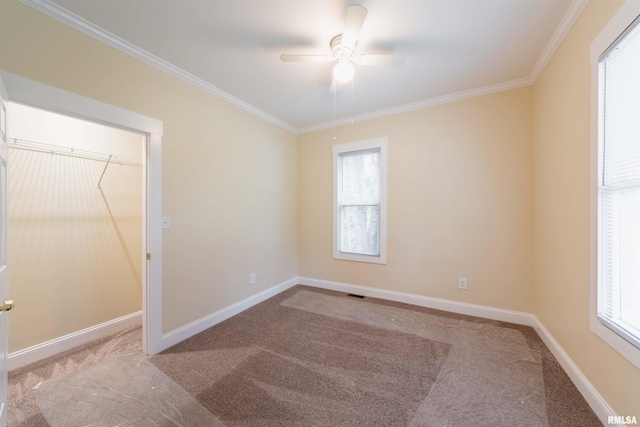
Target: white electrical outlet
(252, 279)
(462, 283)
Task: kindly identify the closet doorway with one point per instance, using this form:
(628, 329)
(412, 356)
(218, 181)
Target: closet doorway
(75, 227)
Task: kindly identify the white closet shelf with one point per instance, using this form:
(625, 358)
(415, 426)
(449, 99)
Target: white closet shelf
(22, 144)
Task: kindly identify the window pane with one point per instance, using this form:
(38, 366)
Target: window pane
(619, 192)
(361, 177)
(622, 111)
(620, 297)
(359, 232)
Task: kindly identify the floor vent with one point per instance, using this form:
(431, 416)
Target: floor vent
(355, 296)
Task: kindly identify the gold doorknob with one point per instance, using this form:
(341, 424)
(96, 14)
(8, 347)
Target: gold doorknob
(8, 305)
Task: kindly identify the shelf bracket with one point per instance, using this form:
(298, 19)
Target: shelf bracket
(105, 169)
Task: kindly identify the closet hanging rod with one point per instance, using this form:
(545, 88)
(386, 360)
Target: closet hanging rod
(24, 144)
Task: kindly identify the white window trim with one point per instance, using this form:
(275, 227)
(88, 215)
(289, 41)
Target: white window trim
(336, 150)
(629, 11)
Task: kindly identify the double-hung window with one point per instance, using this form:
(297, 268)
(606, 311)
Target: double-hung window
(617, 192)
(359, 209)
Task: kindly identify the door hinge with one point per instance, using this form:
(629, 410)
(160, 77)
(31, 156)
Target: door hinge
(148, 257)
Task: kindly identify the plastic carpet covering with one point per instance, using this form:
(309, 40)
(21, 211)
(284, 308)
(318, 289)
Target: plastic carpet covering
(275, 365)
(126, 390)
(487, 366)
(309, 357)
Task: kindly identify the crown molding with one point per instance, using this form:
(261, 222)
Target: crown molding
(565, 25)
(570, 17)
(486, 90)
(57, 12)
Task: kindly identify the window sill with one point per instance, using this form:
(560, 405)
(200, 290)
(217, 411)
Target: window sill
(622, 346)
(382, 259)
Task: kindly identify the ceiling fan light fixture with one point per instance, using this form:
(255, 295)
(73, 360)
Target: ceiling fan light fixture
(343, 71)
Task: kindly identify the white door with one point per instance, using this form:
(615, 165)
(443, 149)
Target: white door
(4, 277)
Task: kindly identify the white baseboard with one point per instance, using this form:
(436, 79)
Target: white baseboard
(591, 395)
(41, 351)
(486, 312)
(174, 337)
(588, 391)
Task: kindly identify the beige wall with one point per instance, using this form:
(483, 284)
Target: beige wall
(229, 178)
(459, 202)
(561, 153)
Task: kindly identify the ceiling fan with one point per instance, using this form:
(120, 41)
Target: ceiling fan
(343, 50)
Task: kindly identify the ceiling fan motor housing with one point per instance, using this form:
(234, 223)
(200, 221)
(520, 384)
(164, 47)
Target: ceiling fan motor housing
(340, 52)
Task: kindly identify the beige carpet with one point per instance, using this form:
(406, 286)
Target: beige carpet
(322, 358)
(307, 372)
(310, 357)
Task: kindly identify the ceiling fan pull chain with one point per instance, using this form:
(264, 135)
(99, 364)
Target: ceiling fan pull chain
(334, 116)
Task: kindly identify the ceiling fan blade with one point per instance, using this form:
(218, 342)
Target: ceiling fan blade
(353, 24)
(287, 57)
(380, 60)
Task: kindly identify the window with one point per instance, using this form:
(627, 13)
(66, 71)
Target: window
(617, 188)
(359, 204)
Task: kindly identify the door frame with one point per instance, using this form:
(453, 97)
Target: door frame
(29, 92)
(4, 268)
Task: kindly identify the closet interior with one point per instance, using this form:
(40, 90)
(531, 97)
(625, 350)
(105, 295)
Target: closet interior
(75, 225)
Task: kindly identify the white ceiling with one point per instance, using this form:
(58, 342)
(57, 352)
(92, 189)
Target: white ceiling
(452, 48)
